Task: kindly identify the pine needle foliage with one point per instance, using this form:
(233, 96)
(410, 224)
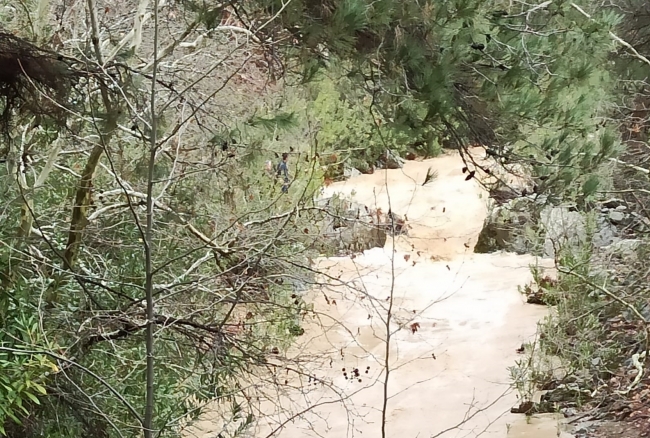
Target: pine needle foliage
(491, 73)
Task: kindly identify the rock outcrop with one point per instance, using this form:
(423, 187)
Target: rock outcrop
(516, 224)
(390, 160)
(352, 227)
(510, 227)
(349, 227)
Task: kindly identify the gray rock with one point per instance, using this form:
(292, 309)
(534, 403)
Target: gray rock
(353, 228)
(391, 160)
(616, 217)
(626, 248)
(506, 226)
(394, 224)
(510, 227)
(562, 227)
(568, 412)
(350, 172)
(358, 237)
(605, 235)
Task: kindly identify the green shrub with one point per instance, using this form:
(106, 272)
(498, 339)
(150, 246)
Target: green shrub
(357, 129)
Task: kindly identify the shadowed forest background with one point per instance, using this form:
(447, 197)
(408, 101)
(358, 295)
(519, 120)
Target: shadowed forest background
(150, 265)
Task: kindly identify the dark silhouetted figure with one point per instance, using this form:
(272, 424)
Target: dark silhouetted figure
(283, 171)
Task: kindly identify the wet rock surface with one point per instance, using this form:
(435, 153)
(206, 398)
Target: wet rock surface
(509, 227)
(352, 227)
(390, 160)
(562, 227)
(515, 223)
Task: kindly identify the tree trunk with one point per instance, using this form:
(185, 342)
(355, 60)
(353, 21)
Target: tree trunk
(80, 209)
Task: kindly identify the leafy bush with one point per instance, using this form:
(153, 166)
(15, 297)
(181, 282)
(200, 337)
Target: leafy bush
(357, 129)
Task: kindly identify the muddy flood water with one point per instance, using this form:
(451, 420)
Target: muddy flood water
(457, 321)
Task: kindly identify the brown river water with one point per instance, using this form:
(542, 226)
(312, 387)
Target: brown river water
(457, 321)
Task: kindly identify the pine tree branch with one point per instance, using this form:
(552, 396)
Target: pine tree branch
(189, 270)
(615, 37)
(128, 327)
(631, 166)
(531, 10)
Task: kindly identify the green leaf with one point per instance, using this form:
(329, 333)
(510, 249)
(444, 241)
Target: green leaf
(39, 388)
(33, 398)
(13, 417)
(590, 186)
(282, 121)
